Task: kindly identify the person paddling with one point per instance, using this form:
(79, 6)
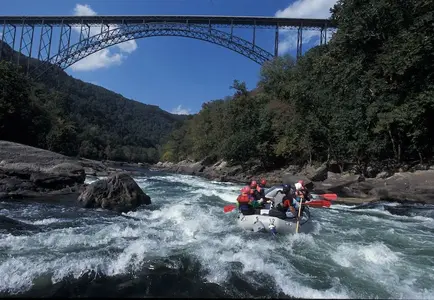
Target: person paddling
(302, 191)
(258, 192)
(244, 201)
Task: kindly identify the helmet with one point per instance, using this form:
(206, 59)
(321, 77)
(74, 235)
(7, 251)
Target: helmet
(245, 190)
(263, 182)
(286, 188)
(298, 186)
(253, 184)
(301, 182)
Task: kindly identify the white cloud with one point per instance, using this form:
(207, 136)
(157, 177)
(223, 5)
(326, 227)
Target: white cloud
(98, 60)
(104, 58)
(179, 110)
(83, 10)
(315, 9)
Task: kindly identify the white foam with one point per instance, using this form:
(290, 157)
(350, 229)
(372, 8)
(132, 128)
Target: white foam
(188, 222)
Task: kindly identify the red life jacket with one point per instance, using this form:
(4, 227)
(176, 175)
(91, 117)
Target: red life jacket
(243, 199)
(286, 203)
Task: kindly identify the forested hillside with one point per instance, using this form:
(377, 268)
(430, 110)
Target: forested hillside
(73, 117)
(365, 98)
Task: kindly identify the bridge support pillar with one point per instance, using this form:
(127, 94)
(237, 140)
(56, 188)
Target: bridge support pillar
(26, 43)
(84, 32)
(65, 38)
(9, 34)
(300, 41)
(45, 42)
(276, 41)
(323, 37)
(254, 36)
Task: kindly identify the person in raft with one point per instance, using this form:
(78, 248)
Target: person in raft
(258, 193)
(244, 201)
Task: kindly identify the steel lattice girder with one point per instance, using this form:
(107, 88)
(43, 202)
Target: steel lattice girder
(9, 34)
(108, 38)
(45, 40)
(215, 21)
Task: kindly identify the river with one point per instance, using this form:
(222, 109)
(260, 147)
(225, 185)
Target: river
(185, 245)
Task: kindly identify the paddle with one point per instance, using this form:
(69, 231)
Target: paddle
(312, 203)
(318, 203)
(298, 219)
(330, 197)
(229, 208)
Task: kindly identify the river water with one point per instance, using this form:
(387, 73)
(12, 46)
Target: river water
(185, 245)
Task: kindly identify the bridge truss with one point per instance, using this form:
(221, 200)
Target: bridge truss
(36, 35)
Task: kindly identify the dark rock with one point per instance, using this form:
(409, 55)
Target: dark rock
(292, 169)
(118, 192)
(316, 174)
(231, 171)
(292, 179)
(383, 175)
(102, 174)
(11, 184)
(342, 185)
(59, 176)
(388, 185)
(27, 172)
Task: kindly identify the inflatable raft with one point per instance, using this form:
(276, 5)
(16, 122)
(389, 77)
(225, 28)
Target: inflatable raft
(263, 222)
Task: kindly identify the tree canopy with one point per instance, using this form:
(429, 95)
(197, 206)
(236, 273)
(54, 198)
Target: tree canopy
(367, 96)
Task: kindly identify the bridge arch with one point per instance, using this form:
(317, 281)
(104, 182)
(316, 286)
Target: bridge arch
(111, 37)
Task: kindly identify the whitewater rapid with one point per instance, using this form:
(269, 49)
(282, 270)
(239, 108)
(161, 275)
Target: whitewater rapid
(359, 254)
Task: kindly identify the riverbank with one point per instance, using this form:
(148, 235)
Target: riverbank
(32, 173)
(415, 185)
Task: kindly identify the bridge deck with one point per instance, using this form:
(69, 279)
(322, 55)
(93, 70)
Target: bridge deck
(236, 21)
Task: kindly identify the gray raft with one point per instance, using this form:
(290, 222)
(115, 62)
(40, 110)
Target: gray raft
(266, 223)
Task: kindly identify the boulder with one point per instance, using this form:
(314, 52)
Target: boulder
(383, 175)
(59, 176)
(316, 174)
(118, 192)
(289, 178)
(188, 167)
(416, 186)
(28, 172)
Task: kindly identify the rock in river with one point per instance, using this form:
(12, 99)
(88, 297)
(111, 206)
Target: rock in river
(118, 192)
(27, 171)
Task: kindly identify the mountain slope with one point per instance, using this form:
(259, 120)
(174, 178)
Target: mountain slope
(79, 118)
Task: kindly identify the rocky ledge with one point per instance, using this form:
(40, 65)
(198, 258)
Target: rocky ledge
(413, 185)
(29, 172)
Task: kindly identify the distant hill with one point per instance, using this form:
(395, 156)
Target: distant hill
(84, 119)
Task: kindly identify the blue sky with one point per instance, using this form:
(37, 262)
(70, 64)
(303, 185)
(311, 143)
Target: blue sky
(177, 74)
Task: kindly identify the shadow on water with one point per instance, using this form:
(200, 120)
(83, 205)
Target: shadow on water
(175, 277)
(15, 227)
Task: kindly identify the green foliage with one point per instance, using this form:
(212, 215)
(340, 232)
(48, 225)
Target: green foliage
(75, 118)
(366, 96)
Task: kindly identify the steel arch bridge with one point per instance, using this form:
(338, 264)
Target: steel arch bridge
(114, 30)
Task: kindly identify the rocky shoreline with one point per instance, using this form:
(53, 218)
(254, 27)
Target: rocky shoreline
(31, 173)
(414, 186)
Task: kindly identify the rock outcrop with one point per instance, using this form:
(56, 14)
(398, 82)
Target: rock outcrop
(416, 185)
(30, 172)
(118, 192)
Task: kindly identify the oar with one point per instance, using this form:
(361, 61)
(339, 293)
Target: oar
(298, 219)
(318, 203)
(312, 203)
(229, 208)
(330, 197)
